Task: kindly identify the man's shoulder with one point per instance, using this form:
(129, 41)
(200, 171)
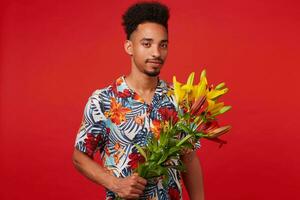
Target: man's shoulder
(102, 91)
(102, 94)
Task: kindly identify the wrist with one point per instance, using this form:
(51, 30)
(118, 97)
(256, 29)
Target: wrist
(112, 183)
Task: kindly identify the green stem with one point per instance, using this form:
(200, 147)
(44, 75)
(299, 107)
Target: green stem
(184, 140)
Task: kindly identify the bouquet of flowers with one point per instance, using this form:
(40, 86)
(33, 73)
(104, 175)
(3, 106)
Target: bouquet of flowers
(179, 130)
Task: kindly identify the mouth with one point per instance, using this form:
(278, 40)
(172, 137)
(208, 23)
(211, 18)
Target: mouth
(156, 63)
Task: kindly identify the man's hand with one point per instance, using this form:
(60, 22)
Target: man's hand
(130, 187)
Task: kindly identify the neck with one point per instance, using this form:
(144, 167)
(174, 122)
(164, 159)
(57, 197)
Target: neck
(141, 82)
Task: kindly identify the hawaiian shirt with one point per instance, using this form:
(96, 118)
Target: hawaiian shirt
(115, 118)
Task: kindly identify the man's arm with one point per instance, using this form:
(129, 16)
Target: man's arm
(129, 187)
(193, 178)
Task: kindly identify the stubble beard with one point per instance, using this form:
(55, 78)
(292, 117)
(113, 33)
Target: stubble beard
(149, 73)
(152, 74)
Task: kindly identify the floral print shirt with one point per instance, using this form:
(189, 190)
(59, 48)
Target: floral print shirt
(115, 118)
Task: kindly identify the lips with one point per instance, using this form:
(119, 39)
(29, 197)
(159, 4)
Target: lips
(155, 61)
(158, 62)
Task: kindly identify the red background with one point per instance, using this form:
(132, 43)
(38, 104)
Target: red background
(54, 54)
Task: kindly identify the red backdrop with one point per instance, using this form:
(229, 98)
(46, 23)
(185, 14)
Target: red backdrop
(54, 54)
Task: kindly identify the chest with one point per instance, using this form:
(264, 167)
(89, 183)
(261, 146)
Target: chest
(133, 121)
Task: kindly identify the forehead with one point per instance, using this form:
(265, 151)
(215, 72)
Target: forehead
(150, 30)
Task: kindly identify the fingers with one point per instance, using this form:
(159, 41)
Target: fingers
(140, 179)
(133, 196)
(131, 193)
(138, 182)
(131, 187)
(135, 191)
(139, 186)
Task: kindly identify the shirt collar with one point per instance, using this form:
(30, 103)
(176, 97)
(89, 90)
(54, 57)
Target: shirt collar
(123, 89)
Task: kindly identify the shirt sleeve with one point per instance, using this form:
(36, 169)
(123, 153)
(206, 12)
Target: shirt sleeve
(197, 145)
(92, 134)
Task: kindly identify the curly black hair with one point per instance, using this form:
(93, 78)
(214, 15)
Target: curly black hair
(146, 11)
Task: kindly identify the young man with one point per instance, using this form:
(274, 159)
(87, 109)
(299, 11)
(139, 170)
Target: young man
(121, 115)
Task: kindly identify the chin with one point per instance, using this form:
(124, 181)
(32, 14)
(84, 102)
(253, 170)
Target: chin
(152, 74)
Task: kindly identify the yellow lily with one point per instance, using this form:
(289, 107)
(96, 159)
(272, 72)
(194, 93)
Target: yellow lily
(183, 91)
(178, 91)
(215, 93)
(188, 87)
(200, 89)
(216, 108)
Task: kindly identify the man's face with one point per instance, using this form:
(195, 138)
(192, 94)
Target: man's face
(149, 48)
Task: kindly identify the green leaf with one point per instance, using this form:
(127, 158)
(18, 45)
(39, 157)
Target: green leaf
(166, 180)
(199, 134)
(155, 157)
(220, 86)
(142, 152)
(173, 150)
(173, 142)
(187, 145)
(164, 157)
(184, 128)
(225, 109)
(184, 140)
(163, 139)
(142, 170)
(157, 171)
(180, 167)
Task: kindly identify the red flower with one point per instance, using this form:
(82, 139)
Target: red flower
(137, 97)
(199, 106)
(211, 127)
(156, 128)
(168, 114)
(135, 158)
(123, 94)
(174, 194)
(91, 143)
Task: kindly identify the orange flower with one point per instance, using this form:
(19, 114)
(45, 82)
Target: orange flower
(107, 151)
(139, 120)
(117, 146)
(137, 98)
(119, 81)
(116, 158)
(155, 128)
(117, 112)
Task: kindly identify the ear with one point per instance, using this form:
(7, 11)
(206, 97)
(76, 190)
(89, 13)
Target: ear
(128, 47)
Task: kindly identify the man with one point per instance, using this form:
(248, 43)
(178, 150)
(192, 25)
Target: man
(121, 115)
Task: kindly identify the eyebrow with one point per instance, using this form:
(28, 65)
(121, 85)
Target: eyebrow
(150, 40)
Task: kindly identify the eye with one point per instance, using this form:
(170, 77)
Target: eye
(164, 45)
(146, 44)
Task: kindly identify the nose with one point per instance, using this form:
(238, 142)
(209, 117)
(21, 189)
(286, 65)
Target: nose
(155, 51)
